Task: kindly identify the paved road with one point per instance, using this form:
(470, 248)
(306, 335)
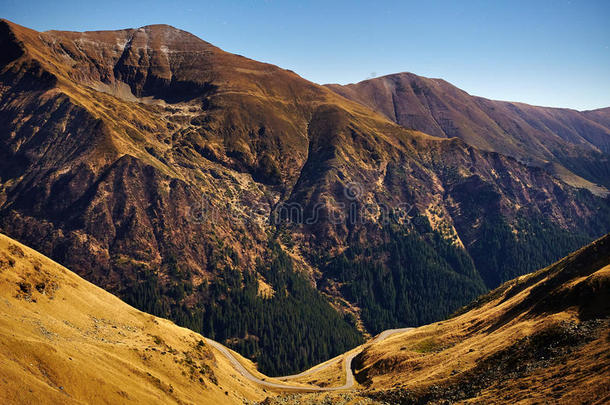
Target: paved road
(348, 357)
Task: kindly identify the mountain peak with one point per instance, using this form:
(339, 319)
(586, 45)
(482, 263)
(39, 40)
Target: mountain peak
(169, 34)
(160, 27)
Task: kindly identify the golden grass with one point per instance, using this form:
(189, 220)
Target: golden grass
(331, 375)
(64, 340)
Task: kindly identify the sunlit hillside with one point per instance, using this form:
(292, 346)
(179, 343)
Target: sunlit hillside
(65, 341)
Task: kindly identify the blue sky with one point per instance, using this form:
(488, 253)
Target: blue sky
(553, 53)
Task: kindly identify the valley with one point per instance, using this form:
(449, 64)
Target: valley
(60, 333)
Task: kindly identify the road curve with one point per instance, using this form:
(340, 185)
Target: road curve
(348, 357)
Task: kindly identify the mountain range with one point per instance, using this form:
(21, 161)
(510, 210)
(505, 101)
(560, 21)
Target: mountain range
(273, 214)
(571, 144)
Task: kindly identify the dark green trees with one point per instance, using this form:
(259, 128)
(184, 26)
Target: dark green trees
(287, 333)
(409, 280)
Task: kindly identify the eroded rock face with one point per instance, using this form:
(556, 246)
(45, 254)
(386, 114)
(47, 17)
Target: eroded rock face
(149, 150)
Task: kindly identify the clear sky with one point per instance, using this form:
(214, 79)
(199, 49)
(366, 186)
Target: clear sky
(553, 53)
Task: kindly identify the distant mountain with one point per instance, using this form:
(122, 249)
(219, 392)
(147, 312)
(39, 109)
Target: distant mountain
(244, 202)
(64, 340)
(547, 137)
(541, 338)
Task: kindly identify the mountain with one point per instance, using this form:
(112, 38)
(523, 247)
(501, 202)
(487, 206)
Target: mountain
(572, 144)
(64, 340)
(540, 338)
(251, 205)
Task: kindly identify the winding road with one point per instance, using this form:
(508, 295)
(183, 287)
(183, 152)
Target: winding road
(347, 364)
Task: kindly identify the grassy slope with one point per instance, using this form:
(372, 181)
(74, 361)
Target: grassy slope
(540, 338)
(63, 340)
(544, 336)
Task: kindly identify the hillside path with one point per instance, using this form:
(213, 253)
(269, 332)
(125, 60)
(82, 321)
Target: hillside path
(348, 357)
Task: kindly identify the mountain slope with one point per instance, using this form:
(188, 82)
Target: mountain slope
(116, 187)
(578, 141)
(228, 195)
(539, 338)
(63, 340)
